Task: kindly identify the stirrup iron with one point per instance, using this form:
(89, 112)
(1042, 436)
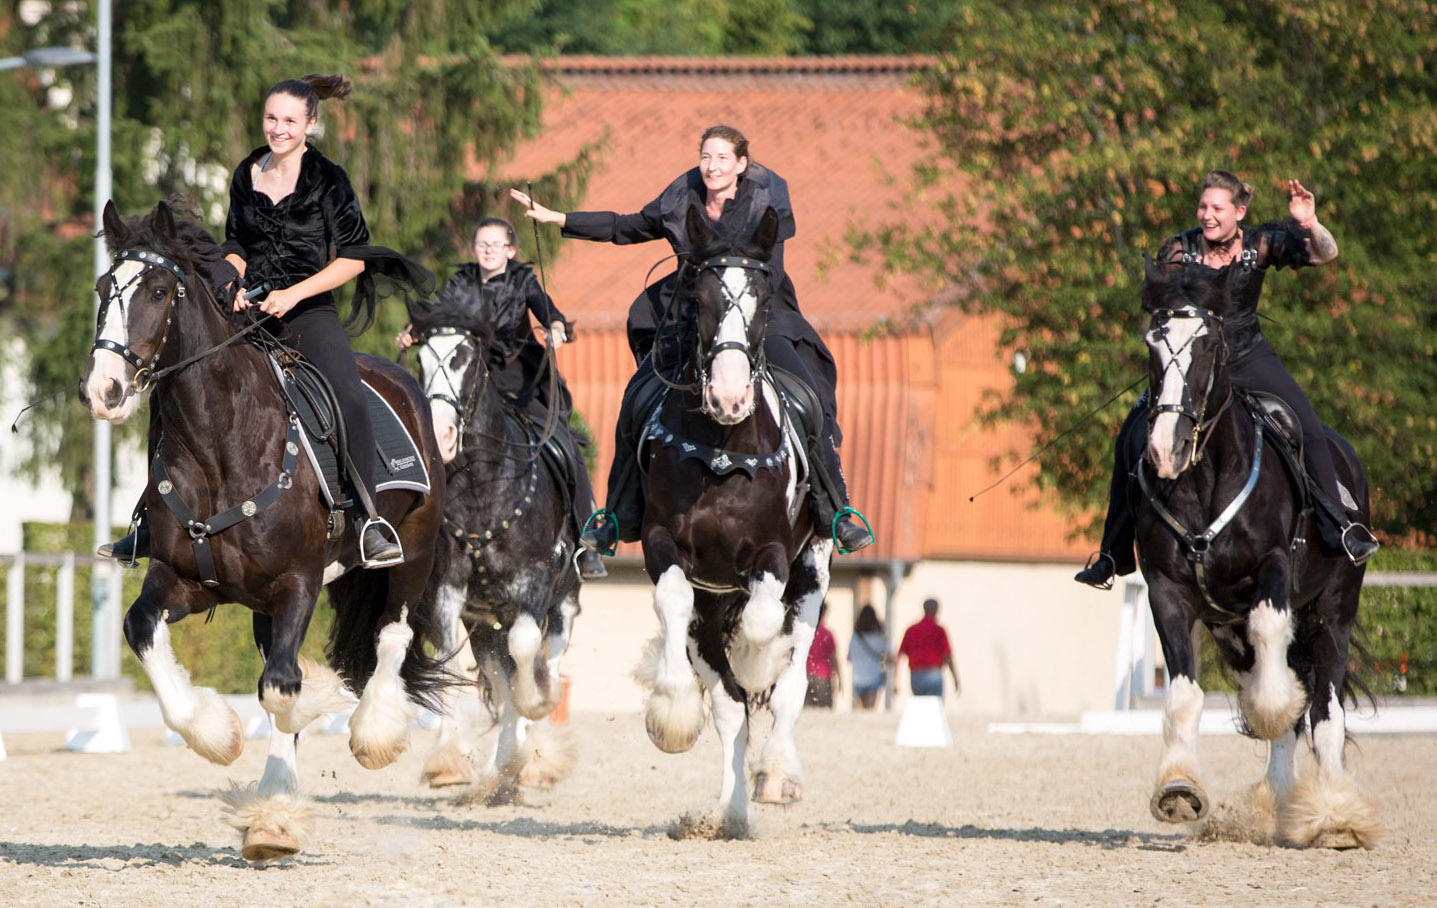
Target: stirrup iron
(388, 529)
(602, 514)
(838, 515)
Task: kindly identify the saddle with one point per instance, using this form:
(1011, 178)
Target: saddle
(312, 402)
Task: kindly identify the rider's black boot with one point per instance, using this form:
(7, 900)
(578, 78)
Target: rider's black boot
(1100, 571)
(134, 546)
(602, 533)
(378, 548)
(851, 533)
(1358, 543)
(591, 566)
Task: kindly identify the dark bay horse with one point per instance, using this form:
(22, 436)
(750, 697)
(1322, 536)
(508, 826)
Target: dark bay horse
(504, 577)
(727, 538)
(228, 453)
(1225, 536)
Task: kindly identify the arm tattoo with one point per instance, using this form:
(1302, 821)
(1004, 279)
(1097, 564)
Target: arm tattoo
(1324, 247)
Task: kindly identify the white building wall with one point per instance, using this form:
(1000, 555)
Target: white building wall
(1028, 641)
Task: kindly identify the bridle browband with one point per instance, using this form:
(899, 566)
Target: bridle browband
(145, 372)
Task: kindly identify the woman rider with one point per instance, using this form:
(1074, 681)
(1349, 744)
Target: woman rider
(1219, 240)
(505, 293)
(735, 192)
(289, 206)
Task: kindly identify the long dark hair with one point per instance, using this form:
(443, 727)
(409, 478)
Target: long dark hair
(867, 621)
(312, 89)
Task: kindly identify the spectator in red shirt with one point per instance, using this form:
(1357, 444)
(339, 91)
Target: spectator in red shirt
(823, 677)
(925, 644)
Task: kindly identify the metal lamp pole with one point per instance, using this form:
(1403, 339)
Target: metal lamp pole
(104, 613)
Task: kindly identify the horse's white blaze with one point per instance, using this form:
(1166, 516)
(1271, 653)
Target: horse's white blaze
(1174, 351)
(730, 386)
(1282, 764)
(446, 429)
(435, 356)
(201, 717)
(1181, 714)
(1270, 697)
(379, 728)
(108, 370)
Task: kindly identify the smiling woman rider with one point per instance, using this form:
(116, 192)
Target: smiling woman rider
(734, 192)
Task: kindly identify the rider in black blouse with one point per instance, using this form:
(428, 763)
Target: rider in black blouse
(505, 294)
(1220, 241)
(734, 191)
(295, 234)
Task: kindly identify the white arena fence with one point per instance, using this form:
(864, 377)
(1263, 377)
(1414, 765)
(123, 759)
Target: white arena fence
(99, 722)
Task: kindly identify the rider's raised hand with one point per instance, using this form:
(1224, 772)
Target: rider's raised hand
(1301, 204)
(405, 338)
(534, 210)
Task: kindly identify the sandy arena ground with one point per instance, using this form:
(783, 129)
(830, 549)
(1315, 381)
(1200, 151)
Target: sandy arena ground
(993, 820)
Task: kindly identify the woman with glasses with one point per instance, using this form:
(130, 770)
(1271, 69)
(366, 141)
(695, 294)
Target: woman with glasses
(734, 192)
(506, 294)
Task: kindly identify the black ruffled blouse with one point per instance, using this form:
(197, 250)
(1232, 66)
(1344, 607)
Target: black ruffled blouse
(286, 242)
(1280, 245)
(504, 303)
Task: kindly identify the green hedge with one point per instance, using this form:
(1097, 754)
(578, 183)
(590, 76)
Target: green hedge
(219, 653)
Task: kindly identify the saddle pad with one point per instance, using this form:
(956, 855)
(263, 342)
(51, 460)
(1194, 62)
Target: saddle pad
(401, 466)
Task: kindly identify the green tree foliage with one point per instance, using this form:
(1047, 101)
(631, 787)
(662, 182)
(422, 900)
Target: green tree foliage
(865, 27)
(1083, 132)
(432, 97)
(667, 27)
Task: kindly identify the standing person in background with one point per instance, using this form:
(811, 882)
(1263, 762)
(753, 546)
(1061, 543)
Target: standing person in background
(925, 643)
(823, 677)
(869, 656)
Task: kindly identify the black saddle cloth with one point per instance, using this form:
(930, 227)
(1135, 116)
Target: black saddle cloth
(312, 401)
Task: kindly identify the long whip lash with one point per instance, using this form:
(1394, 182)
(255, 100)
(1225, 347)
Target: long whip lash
(1059, 437)
(550, 358)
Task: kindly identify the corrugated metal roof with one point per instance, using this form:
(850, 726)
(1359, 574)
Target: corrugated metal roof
(835, 129)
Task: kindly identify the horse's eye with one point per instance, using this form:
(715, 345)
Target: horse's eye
(158, 294)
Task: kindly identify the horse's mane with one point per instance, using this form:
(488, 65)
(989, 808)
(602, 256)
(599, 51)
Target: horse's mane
(1163, 283)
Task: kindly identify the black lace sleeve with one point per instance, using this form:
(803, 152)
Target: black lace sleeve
(1283, 244)
(1169, 259)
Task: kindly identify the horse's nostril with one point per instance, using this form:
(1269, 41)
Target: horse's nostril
(114, 393)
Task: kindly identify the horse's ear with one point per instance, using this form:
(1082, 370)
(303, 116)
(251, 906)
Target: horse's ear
(696, 226)
(767, 233)
(164, 221)
(114, 226)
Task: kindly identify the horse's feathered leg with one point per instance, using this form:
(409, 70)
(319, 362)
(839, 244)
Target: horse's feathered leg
(731, 724)
(779, 779)
(379, 728)
(449, 763)
(1270, 696)
(534, 689)
(1179, 796)
(674, 713)
(1326, 808)
(282, 680)
(200, 717)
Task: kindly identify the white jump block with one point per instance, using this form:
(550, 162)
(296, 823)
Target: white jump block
(104, 732)
(924, 724)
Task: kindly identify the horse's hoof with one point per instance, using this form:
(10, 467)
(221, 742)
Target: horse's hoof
(444, 778)
(1179, 801)
(772, 788)
(268, 843)
(1337, 840)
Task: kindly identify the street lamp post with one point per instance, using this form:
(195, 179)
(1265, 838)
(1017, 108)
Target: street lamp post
(104, 662)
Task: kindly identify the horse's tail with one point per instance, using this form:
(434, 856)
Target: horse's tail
(359, 600)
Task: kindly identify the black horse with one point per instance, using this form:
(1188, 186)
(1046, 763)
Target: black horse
(260, 532)
(1223, 531)
(504, 577)
(727, 538)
